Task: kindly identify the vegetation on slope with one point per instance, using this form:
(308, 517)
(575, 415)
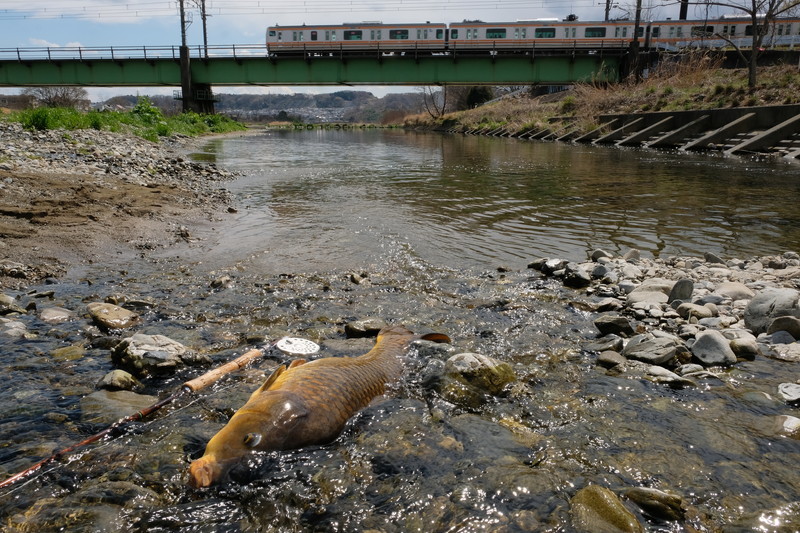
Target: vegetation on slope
(696, 82)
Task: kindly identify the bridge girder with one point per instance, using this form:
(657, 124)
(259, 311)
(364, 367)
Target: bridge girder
(508, 69)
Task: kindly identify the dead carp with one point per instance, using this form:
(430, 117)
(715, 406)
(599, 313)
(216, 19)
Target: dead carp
(307, 403)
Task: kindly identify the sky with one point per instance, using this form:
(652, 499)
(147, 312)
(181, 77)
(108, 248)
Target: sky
(104, 23)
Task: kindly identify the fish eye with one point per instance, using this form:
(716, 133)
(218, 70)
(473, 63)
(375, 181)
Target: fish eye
(251, 440)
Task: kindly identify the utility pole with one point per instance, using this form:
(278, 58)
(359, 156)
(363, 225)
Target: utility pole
(635, 45)
(186, 73)
(203, 16)
(608, 10)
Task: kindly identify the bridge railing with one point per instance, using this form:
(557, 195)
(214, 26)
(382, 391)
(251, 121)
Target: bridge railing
(82, 53)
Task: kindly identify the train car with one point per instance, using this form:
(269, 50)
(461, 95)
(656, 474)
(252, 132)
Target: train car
(524, 35)
(355, 38)
(673, 35)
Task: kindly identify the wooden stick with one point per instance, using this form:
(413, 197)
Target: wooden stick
(193, 385)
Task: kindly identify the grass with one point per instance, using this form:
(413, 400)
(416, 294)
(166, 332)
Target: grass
(144, 120)
(696, 81)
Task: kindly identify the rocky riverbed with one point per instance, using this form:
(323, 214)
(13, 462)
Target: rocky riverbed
(605, 393)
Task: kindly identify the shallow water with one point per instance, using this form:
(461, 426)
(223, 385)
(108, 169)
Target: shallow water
(424, 220)
(327, 199)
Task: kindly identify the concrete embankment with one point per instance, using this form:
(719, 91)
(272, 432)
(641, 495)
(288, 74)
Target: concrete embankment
(740, 131)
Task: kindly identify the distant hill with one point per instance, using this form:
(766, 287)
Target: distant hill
(341, 106)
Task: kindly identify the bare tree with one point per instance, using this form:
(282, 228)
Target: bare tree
(58, 96)
(763, 15)
(434, 101)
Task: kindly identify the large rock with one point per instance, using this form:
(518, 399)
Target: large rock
(55, 315)
(711, 348)
(614, 325)
(366, 327)
(768, 305)
(596, 509)
(106, 407)
(470, 380)
(575, 276)
(110, 316)
(655, 351)
(480, 371)
(682, 290)
(659, 504)
(789, 324)
(734, 290)
(654, 290)
(145, 355)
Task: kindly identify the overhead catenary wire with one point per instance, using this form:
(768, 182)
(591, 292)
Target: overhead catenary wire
(109, 9)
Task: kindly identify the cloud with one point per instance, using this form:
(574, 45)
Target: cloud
(100, 11)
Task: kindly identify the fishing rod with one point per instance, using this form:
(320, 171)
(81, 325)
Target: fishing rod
(288, 345)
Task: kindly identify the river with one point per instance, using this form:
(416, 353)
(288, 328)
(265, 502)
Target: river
(330, 198)
(435, 232)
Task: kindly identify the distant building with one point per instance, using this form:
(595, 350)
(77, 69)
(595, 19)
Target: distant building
(16, 102)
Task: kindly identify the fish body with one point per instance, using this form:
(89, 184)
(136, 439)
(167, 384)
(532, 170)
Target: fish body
(307, 403)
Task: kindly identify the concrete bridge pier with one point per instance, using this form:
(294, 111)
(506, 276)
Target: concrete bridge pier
(196, 97)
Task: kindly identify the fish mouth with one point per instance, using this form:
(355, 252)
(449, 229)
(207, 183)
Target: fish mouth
(204, 472)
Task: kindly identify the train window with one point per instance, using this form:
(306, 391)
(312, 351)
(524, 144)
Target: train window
(621, 31)
(702, 31)
(352, 35)
(671, 32)
(496, 33)
(440, 34)
(280, 36)
(656, 32)
(313, 35)
(570, 32)
(640, 33)
(454, 34)
(544, 33)
(680, 32)
(333, 35)
(594, 32)
(272, 33)
(398, 34)
(297, 35)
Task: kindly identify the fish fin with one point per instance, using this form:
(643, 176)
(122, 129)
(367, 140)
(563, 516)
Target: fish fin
(436, 337)
(296, 362)
(270, 380)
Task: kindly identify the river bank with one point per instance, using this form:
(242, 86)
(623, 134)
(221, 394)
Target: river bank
(695, 82)
(73, 197)
(609, 390)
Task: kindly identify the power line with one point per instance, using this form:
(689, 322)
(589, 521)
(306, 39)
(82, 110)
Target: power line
(106, 9)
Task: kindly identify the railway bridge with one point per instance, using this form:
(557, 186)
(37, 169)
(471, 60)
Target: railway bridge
(196, 71)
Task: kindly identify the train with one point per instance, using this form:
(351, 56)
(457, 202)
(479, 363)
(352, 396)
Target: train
(522, 36)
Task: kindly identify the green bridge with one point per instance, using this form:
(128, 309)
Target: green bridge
(200, 69)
